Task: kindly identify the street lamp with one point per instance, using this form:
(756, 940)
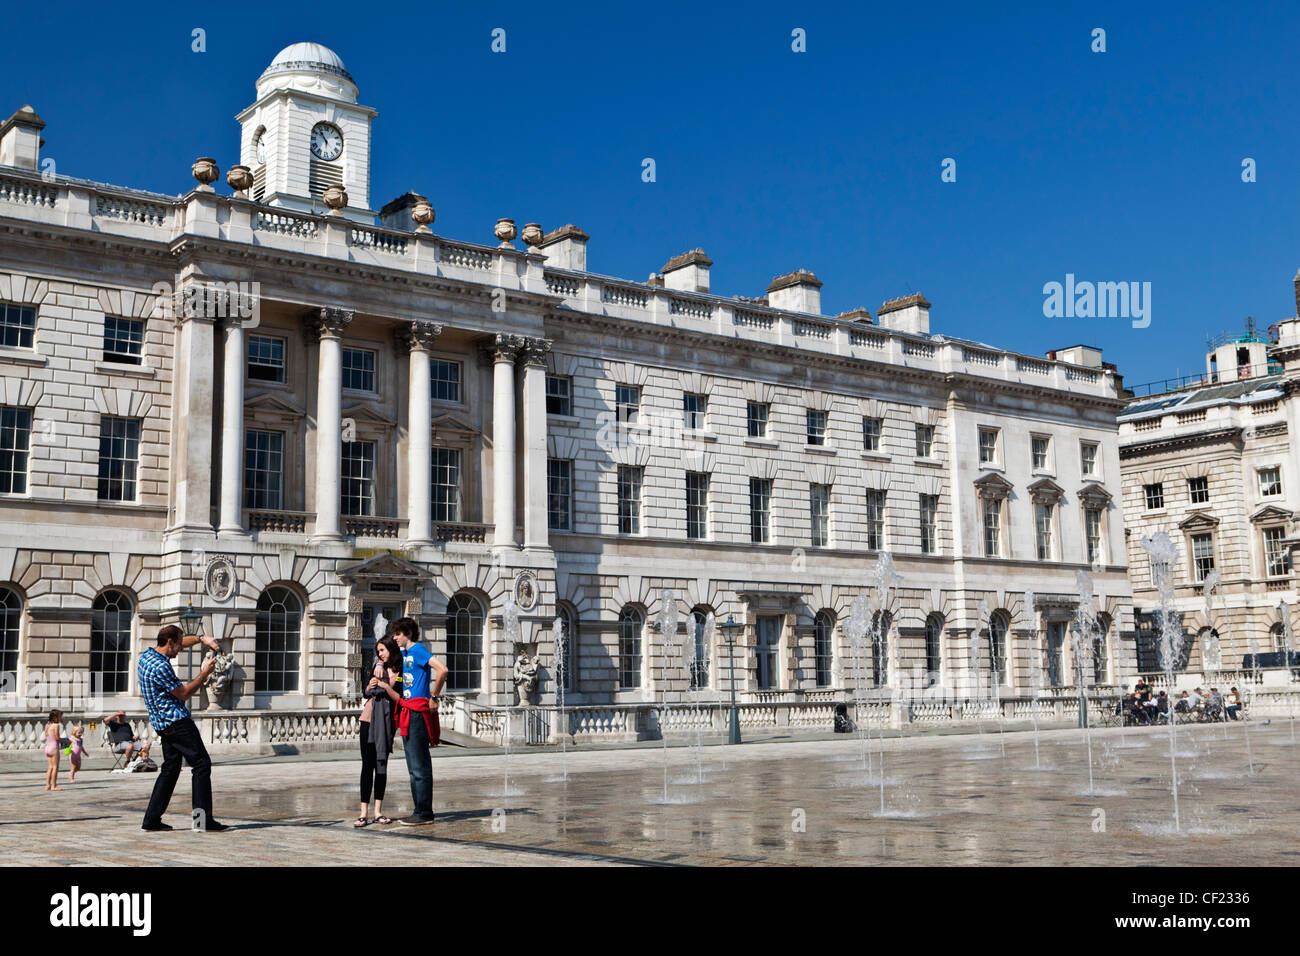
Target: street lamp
(1078, 664)
(729, 631)
(191, 621)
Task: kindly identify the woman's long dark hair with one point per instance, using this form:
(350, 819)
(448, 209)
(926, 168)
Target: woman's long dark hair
(394, 662)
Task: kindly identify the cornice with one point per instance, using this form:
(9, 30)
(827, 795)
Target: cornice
(1192, 440)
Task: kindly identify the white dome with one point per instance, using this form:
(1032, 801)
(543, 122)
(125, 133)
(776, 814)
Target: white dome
(312, 57)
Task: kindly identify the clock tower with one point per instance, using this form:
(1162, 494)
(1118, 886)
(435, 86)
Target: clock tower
(306, 132)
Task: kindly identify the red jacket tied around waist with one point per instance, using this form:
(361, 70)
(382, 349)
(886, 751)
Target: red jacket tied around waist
(419, 705)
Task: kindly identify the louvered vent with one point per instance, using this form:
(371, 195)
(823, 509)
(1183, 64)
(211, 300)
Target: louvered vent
(322, 176)
(259, 183)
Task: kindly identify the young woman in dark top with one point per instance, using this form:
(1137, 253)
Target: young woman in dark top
(378, 717)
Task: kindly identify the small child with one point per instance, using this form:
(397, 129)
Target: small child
(53, 747)
(78, 747)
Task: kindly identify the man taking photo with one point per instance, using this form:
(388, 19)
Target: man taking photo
(164, 696)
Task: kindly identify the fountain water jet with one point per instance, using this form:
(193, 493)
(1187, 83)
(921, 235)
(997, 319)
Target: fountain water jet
(668, 628)
(560, 634)
(1035, 671)
(856, 628)
(1163, 553)
(886, 582)
(511, 628)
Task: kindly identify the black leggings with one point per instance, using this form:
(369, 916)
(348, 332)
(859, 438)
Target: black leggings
(371, 767)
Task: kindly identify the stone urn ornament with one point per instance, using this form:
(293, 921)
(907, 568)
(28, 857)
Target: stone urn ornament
(532, 234)
(505, 231)
(240, 179)
(205, 170)
(422, 215)
(336, 197)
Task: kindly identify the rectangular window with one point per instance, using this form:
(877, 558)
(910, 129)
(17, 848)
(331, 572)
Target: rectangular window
(17, 326)
(15, 447)
(358, 488)
(872, 429)
(444, 484)
(988, 446)
(1270, 482)
(559, 494)
(875, 520)
(629, 499)
(819, 512)
(1043, 531)
(1275, 554)
(627, 401)
(263, 470)
(1088, 458)
(693, 409)
(697, 504)
(760, 504)
(1199, 489)
(767, 644)
(444, 380)
(1155, 496)
(559, 395)
(757, 414)
(265, 359)
(359, 369)
(992, 529)
(929, 524)
(1041, 449)
(924, 440)
(119, 457)
(123, 340)
(1092, 529)
(816, 427)
(1203, 554)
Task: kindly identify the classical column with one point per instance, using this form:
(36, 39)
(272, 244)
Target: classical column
(504, 350)
(535, 516)
(232, 430)
(328, 327)
(419, 339)
(194, 419)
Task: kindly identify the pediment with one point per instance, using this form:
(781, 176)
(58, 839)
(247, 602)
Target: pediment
(273, 405)
(365, 413)
(388, 566)
(1094, 494)
(1198, 521)
(1045, 490)
(993, 485)
(451, 425)
(1271, 513)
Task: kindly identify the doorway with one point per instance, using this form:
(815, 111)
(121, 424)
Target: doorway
(370, 634)
(769, 641)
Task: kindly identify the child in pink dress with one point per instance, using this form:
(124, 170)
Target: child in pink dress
(53, 746)
(78, 748)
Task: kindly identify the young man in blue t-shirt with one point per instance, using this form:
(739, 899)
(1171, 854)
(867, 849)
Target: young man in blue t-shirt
(417, 716)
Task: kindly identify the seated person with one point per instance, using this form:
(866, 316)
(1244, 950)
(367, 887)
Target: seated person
(1214, 705)
(1233, 704)
(1184, 705)
(1142, 690)
(1162, 705)
(123, 737)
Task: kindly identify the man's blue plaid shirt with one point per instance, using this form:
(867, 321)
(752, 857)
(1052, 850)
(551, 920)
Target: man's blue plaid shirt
(157, 681)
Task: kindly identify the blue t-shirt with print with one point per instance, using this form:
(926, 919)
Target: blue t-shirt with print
(415, 671)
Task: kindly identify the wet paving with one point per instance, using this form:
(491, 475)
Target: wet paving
(951, 800)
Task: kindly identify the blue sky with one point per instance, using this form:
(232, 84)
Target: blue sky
(1115, 166)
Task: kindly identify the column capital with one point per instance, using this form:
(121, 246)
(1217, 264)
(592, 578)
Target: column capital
(419, 335)
(534, 352)
(506, 346)
(327, 322)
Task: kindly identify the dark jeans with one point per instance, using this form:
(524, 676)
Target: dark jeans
(420, 766)
(372, 768)
(182, 741)
(1232, 710)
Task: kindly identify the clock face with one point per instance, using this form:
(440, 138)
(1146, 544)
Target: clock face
(326, 141)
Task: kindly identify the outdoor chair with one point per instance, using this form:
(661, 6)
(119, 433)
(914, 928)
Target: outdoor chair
(118, 759)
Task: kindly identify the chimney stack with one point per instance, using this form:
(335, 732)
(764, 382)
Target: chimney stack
(397, 213)
(911, 313)
(798, 291)
(565, 248)
(20, 140)
(859, 315)
(688, 272)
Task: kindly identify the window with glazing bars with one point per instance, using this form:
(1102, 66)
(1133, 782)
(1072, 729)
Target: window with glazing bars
(629, 499)
(123, 340)
(445, 484)
(358, 487)
(119, 458)
(760, 501)
(559, 494)
(15, 448)
(263, 470)
(697, 504)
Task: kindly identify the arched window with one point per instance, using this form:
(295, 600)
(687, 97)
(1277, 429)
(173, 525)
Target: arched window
(277, 660)
(823, 647)
(110, 641)
(880, 625)
(464, 643)
(933, 649)
(1277, 639)
(11, 616)
(700, 662)
(566, 658)
(630, 623)
(998, 646)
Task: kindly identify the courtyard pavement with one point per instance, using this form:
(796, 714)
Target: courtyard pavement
(948, 800)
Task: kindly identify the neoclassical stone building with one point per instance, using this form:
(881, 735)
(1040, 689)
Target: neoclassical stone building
(1211, 463)
(267, 407)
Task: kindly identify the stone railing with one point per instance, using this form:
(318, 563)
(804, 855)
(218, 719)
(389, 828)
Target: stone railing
(559, 285)
(380, 240)
(467, 256)
(625, 295)
(373, 526)
(130, 210)
(287, 224)
(462, 532)
(27, 192)
(282, 522)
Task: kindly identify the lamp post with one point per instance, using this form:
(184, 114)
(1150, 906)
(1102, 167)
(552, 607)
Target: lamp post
(729, 630)
(191, 624)
(1078, 665)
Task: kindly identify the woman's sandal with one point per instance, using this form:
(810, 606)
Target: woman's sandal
(382, 820)
(360, 822)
